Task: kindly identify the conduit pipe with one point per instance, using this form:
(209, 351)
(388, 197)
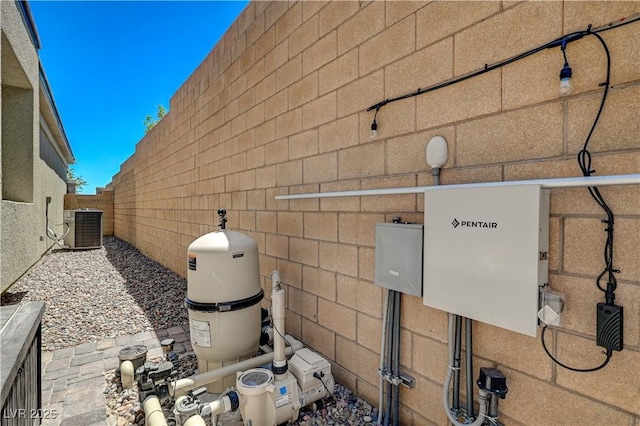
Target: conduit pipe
(127, 374)
(382, 347)
(468, 332)
(482, 395)
(387, 367)
(631, 179)
(396, 358)
(153, 415)
(182, 386)
(456, 364)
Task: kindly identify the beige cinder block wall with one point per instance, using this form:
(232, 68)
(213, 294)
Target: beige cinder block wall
(278, 107)
(103, 201)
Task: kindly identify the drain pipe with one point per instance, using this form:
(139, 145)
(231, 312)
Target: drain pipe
(182, 386)
(382, 348)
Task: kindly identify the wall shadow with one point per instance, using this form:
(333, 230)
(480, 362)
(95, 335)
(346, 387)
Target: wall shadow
(158, 291)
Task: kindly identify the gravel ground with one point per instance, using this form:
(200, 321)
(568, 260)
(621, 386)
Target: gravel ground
(98, 294)
(93, 295)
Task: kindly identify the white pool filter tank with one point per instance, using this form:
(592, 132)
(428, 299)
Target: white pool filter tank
(223, 300)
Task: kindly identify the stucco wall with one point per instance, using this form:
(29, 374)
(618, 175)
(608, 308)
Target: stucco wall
(278, 107)
(23, 225)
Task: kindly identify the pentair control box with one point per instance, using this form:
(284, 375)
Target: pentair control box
(486, 253)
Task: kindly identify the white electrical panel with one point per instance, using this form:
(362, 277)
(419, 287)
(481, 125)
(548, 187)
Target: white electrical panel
(399, 257)
(486, 253)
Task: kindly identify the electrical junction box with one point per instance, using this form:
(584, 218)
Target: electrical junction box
(302, 365)
(399, 257)
(486, 253)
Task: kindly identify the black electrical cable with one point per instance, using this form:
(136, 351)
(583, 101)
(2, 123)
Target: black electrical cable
(319, 377)
(554, 43)
(579, 370)
(286, 342)
(584, 161)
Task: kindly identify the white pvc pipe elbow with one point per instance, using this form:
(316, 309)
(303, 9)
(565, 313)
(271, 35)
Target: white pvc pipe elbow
(127, 374)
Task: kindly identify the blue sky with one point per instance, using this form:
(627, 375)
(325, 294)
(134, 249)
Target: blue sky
(110, 64)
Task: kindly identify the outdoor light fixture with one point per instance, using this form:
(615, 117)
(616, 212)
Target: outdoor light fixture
(565, 74)
(374, 125)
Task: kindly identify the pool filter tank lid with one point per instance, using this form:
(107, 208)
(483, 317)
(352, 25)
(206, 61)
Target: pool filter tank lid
(223, 267)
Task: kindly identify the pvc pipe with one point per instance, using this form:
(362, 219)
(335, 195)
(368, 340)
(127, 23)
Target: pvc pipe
(127, 374)
(182, 386)
(195, 421)
(632, 179)
(218, 406)
(153, 415)
(278, 315)
(214, 408)
(266, 349)
(482, 395)
(468, 332)
(382, 347)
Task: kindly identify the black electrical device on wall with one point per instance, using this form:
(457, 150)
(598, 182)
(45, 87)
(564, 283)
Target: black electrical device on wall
(609, 326)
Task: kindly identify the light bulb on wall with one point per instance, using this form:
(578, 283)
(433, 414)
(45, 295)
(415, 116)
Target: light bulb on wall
(374, 129)
(565, 73)
(374, 125)
(565, 80)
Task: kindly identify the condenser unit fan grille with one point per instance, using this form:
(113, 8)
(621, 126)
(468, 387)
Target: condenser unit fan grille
(88, 229)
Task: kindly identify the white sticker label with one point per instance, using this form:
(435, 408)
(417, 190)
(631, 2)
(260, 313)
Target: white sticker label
(284, 400)
(394, 273)
(200, 333)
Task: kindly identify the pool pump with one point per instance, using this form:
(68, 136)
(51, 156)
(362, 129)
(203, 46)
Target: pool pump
(226, 323)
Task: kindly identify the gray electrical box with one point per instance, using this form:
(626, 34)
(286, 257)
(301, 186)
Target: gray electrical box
(399, 257)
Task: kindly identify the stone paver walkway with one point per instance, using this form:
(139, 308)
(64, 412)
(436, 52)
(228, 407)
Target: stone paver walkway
(73, 380)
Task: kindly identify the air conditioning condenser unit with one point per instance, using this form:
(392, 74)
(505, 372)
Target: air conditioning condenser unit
(85, 228)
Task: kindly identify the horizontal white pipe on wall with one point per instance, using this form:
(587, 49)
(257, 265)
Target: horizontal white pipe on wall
(633, 179)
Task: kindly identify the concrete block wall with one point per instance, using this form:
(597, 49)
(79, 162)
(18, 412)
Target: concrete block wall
(278, 107)
(103, 201)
